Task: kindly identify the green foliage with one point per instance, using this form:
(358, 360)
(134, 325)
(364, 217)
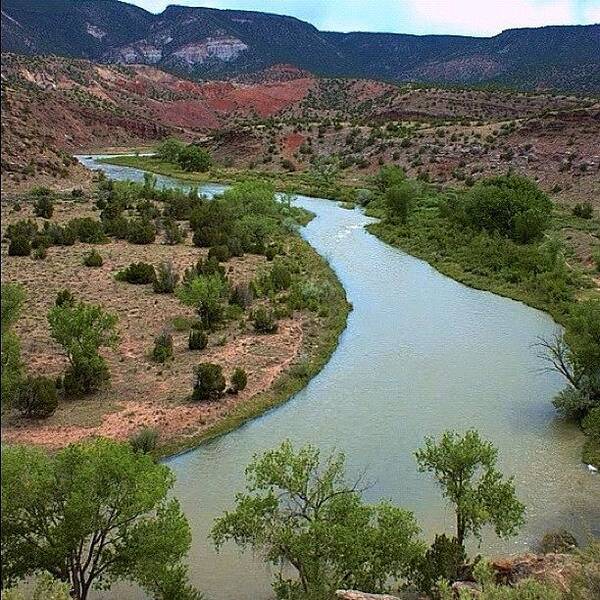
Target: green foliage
(139, 273)
(242, 296)
(163, 347)
(12, 300)
(44, 206)
(583, 210)
(527, 589)
(465, 469)
(97, 499)
(87, 230)
(144, 441)
(299, 510)
(197, 339)
(166, 279)
(264, 320)
(45, 587)
(82, 329)
(206, 293)
(209, 382)
(560, 541)
(220, 253)
(169, 149)
(399, 200)
(389, 176)
(444, 559)
(173, 233)
(575, 354)
(64, 297)
(93, 259)
(37, 397)
(193, 158)
(239, 380)
(19, 246)
(40, 253)
(510, 205)
(141, 231)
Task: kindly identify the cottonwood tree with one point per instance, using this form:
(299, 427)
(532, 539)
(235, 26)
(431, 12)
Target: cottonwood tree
(90, 515)
(82, 329)
(13, 297)
(465, 468)
(575, 354)
(299, 510)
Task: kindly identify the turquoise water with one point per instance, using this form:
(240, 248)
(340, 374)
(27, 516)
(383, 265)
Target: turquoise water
(421, 353)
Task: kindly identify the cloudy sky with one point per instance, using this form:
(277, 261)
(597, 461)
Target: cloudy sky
(469, 17)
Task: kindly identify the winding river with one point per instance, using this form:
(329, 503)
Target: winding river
(421, 353)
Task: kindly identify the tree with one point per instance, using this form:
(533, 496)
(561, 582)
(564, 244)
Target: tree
(209, 383)
(510, 205)
(82, 329)
(193, 158)
(169, 149)
(389, 176)
(92, 514)
(398, 201)
(299, 510)
(575, 354)
(13, 297)
(207, 294)
(465, 468)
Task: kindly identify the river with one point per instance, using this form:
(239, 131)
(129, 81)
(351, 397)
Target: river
(421, 353)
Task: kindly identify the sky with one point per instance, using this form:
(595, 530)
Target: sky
(465, 17)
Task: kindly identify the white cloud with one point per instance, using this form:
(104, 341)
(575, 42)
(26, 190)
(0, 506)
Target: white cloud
(485, 17)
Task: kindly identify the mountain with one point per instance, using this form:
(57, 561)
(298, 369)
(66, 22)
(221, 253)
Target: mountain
(204, 43)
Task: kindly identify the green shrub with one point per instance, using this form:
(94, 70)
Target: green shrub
(197, 339)
(166, 279)
(85, 377)
(163, 347)
(139, 273)
(242, 296)
(173, 233)
(444, 559)
(117, 227)
(144, 441)
(209, 382)
(206, 293)
(40, 253)
(193, 158)
(58, 235)
(43, 207)
(26, 228)
(264, 321)
(510, 205)
(141, 231)
(220, 253)
(583, 210)
(239, 380)
(37, 397)
(280, 275)
(64, 297)
(88, 230)
(19, 246)
(560, 541)
(399, 200)
(93, 259)
(169, 149)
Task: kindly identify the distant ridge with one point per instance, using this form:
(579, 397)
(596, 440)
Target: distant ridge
(205, 43)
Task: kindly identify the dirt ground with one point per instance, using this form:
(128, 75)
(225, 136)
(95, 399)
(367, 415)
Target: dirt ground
(142, 393)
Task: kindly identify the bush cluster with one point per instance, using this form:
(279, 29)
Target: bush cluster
(139, 273)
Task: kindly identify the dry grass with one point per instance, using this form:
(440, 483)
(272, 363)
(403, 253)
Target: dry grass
(142, 392)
